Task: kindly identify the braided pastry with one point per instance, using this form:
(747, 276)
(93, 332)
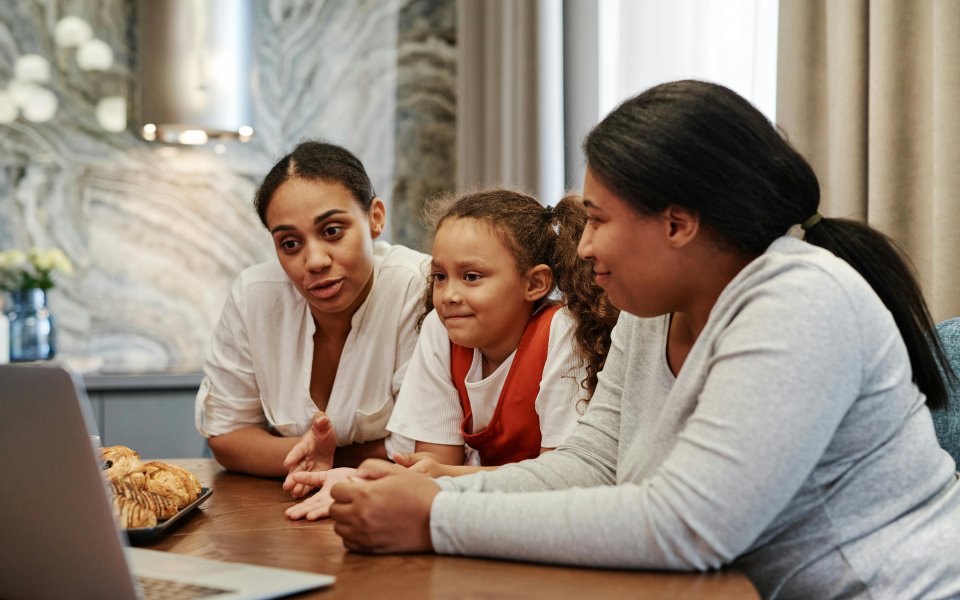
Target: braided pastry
(131, 515)
(190, 480)
(162, 506)
(162, 479)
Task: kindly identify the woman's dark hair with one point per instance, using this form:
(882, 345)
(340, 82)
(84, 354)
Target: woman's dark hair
(317, 161)
(537, 235)
(701, 146)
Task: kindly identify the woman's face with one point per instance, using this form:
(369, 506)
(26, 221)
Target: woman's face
(324, 241)
(630, 252)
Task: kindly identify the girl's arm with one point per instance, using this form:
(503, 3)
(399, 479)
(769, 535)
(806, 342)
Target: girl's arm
(428, 406)
(429, 462)
(435, 460)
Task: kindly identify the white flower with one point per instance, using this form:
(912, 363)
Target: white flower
(12, 258)
(50, 259)
(35, 268)
(60, 261)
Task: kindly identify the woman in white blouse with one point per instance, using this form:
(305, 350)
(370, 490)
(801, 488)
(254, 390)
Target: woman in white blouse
(323, 335)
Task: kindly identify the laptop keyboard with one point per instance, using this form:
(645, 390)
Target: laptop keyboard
(166, 589)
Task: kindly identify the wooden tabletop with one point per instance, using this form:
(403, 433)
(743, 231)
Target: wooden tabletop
(243, 521)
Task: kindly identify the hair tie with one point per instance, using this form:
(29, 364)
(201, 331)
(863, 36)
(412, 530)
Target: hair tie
(548, 210)
(813, 220)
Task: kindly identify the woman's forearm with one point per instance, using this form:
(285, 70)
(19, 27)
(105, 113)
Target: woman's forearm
(257, 452)
(252, 450)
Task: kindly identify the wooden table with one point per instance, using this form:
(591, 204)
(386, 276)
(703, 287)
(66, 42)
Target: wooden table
(243, 521)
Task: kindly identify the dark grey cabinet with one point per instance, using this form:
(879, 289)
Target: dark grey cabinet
(151, 413)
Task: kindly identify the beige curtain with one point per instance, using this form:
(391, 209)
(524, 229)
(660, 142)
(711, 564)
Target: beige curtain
(504, 97)
(869, 92)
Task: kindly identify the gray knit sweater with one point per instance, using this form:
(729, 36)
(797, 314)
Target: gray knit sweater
(792, 445)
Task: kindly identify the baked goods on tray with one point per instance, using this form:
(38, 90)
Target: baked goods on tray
(146, 493)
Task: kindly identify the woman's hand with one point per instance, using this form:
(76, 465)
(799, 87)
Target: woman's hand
(390, 512)
(313, 453)
(317, 506)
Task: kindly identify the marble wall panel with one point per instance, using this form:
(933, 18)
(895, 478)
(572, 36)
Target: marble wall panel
(158, 233)
(426, 115)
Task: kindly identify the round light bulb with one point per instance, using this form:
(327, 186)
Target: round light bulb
(94, 55)
(21, 92)
(41, 106)
(71, 31)
(8, 108)
(32, 68)
(112, 113)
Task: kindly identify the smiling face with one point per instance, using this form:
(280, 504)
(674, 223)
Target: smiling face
(478, 292)
(324, 241)
(631, 252)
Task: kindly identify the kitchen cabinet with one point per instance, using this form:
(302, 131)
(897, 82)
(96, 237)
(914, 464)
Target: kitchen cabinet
(149, 412)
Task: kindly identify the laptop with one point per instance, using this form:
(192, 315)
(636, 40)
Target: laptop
(58, 536)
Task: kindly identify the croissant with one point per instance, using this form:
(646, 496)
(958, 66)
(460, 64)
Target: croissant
(163, 480)
(192, 483)
(120, 461)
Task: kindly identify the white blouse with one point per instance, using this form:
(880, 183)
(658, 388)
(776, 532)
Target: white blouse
(428, 407)
(258, 370)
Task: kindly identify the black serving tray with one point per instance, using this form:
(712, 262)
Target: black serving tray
(141, 536)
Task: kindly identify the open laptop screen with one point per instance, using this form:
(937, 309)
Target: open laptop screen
(58, 537)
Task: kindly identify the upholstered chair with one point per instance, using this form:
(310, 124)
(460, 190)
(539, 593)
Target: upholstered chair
(947, 421)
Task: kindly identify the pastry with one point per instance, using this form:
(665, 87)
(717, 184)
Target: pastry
(131, 515)
(146, 492)
(163, 506)
(162, 479)
(122, 460)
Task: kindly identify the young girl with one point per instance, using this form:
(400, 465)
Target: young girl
(763, 407)
(501, 370)
(320, 336)
(500, 367)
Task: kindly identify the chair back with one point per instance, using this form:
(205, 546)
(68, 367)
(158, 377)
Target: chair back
(947, 421)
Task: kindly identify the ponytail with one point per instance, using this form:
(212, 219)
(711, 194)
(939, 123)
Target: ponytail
(885, 267)
(595, 315)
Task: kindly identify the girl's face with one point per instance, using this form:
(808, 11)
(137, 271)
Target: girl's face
(630, 252)
(324, 241)
(480, 296)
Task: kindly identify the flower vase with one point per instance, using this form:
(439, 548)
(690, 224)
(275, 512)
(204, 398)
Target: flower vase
(33, 332)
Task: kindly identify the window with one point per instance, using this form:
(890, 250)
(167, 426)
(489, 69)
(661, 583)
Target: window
(614, 49)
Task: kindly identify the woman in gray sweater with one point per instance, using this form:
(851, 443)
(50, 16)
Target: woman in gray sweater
(764, 405)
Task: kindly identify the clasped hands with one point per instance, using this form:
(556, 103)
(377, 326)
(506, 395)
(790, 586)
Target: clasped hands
(378, 507)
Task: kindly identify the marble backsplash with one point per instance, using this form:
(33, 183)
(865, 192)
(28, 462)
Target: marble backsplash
(158, 233)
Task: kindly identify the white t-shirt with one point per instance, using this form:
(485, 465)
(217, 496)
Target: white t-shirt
(428, 406)
(257, 373)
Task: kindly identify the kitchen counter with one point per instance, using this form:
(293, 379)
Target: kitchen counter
(103, 382)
